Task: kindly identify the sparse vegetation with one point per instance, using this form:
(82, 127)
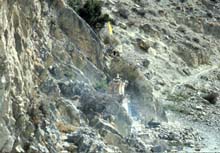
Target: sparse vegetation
(102, 85)
(176, 108)
(90, 12)
(177, 97)
(65, 127)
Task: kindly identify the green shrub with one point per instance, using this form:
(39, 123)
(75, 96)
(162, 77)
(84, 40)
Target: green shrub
(91, 12)
(102, 85)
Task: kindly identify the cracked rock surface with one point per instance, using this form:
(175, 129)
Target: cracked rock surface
(55, 70)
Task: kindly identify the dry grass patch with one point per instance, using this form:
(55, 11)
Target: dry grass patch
(66, 127)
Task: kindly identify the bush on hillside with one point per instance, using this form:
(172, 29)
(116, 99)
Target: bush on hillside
(75, 4)
(91, 12)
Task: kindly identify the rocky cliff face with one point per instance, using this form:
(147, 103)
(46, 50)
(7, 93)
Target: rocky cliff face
(54, 70)
(47, 52)
(51, 64)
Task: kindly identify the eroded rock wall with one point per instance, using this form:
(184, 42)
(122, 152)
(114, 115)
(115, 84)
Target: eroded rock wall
(50, 64)
(43, 43)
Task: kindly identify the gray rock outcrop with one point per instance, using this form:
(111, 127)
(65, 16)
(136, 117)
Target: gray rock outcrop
(50, 65)
(55, 70)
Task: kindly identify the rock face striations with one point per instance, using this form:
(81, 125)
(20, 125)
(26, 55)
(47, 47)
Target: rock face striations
(51, 68)
(55, 73)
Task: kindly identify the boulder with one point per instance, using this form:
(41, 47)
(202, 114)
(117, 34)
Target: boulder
(123, 13)
(88, 140)
(106, 105)
(159, 148)
(68, 112)
(153, 124)
(144, 44)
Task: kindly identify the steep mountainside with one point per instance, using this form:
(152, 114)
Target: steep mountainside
(176, 45)
(55, 73)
